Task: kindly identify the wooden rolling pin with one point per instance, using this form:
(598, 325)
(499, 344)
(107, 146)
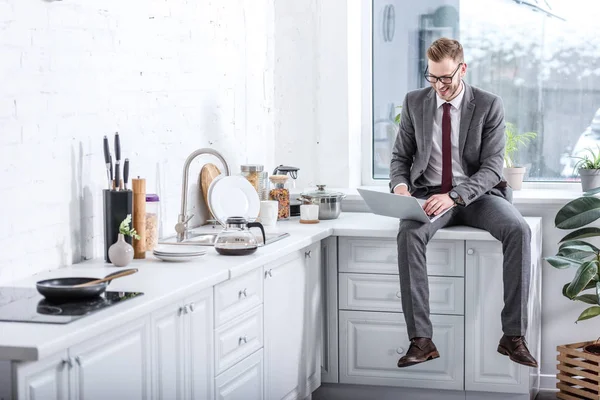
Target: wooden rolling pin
(139, 217)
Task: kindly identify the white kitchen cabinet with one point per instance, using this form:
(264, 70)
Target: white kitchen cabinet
(113, 365)
(182, 342)
(292, 294)
(329, 311)
(243, 381)
(167, 353)
(486, 369)
(47, 379)
(372, 342)
(198, 345)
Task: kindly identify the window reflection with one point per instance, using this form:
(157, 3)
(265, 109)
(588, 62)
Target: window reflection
(545, 69)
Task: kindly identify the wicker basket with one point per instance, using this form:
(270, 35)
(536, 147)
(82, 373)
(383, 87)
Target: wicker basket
(578, 372)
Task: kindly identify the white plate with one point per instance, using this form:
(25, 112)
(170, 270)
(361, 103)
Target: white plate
(179, 250)
(233, 196)
(175, 258)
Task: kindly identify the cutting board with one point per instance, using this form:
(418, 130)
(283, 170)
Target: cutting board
(207, 174)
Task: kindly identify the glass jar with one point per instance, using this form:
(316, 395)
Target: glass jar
(257, 177)
(152, 220)
(281, 193)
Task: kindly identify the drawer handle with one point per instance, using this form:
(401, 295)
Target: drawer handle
(242, 293)
(67, 361)
(269, 273)
(242, 340)
(192, 307)
(398, 294)
(400, 350)
(308, 254)
(470, 252)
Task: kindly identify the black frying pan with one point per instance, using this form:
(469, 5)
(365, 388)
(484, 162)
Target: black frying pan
(64, 289)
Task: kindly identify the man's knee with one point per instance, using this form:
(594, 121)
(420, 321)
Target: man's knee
(411, 231)
(519, 228)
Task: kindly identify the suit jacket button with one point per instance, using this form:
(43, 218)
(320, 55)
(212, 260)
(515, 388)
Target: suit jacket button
(421, 171)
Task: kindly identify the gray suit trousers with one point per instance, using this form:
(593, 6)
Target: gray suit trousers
(491, 213)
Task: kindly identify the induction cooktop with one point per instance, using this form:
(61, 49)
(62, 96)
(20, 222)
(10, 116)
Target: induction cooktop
(18, 304)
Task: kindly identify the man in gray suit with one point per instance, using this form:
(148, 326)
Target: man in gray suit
(449, 150)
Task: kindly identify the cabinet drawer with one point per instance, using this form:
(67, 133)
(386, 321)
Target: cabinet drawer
(238, 338)
(243, 381)
(372, 292)
(380, 256)
(371, 344)
(235, 297)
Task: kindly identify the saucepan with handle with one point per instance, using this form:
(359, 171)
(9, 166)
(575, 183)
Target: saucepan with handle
(75, 289)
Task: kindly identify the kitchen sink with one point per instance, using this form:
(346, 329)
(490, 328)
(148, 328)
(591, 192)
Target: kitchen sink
(209, 238)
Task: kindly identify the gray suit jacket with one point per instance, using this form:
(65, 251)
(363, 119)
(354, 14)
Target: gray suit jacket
(481, 143)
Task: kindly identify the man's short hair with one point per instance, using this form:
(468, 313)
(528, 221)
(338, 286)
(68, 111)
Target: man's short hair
(445, 48)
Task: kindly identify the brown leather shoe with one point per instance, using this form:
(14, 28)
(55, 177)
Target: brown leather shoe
(515, 348)
(420, 350)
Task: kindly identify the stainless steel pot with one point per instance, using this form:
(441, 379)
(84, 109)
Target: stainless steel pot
(330, 203)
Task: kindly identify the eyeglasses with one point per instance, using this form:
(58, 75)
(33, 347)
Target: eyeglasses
(443, 79)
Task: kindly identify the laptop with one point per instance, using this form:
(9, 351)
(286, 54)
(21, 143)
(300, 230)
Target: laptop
(394, 205)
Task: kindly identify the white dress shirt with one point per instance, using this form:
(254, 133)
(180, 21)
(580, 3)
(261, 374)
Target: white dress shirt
(433, 173)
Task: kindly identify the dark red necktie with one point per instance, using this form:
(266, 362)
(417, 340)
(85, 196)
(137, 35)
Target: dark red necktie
(446, 150)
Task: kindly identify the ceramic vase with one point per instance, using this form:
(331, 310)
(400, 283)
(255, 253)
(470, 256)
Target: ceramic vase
(121, 252)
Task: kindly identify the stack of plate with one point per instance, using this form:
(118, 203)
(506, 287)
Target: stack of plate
(167, 252)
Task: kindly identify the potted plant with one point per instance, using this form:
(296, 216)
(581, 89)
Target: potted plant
(588, 168)
(513, 173)
(574, 252)
(120, 253)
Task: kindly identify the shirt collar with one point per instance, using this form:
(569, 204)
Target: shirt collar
(456, 102)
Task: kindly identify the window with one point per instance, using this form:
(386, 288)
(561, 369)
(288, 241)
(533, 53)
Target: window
(544, 65)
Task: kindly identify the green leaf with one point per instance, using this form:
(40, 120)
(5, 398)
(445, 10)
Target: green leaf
(583, 276)
(562, 262)
(592, 192)
(588, 313)
(593, 284)
(581, 234)
(578, 245)
(588, 298)
(578, 213)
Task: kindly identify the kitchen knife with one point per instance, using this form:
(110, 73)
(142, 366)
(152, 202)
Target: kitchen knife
(112, 182)
(117, 160)
(107, 162)
(126, 172)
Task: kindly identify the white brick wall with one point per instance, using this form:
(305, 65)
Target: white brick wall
(170, 76)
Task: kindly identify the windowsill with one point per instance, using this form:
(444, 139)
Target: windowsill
(531, 193)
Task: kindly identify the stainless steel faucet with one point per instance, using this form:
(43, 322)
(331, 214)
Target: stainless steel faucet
(182, 221)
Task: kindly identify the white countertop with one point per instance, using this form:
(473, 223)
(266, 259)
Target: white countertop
(165, 283)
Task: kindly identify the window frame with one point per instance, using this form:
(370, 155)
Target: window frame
(365, 48)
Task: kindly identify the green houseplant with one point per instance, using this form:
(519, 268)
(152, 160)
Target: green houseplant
(588, 168)
(574, 252)
(514, 141)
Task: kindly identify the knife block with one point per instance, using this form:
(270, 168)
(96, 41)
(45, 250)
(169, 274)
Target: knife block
(117, 205)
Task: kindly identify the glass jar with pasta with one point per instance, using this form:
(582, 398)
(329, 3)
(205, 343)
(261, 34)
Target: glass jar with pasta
(257, 177)
(152, 220)
(281, 193)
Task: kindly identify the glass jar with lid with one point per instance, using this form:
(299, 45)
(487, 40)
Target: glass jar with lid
(281, 193)
(152, 220)
(257, 177)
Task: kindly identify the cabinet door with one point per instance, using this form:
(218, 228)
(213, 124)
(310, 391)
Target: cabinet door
(46, 379)
(167, 352)
(485, 368)
(314, 317)
(329, 313)
(115, 364)
(243, 381)
(199, 345)
(284, 300)
(372, 342)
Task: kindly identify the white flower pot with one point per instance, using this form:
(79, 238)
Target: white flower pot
(514, 177)
(121, 252)
(590, 179)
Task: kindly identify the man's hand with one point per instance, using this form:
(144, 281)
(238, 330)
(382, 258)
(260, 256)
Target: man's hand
(437, 203)
(402, 190)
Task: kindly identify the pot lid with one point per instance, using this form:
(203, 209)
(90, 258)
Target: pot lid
(322, 193)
